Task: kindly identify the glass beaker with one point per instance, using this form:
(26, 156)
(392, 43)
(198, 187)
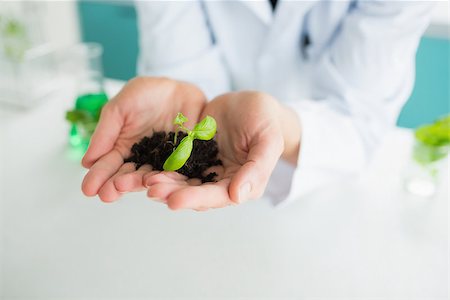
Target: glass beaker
(422, 174)
(86, 65)
(28, 67)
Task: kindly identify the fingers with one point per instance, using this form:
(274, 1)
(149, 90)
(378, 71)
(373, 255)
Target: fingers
(161, 185)
(133, 181)
(105, 135)
(108, 191)
(100, 172)
(161, 191)
(202, 197)
(182, 193)
(251, 179)
(163, 177)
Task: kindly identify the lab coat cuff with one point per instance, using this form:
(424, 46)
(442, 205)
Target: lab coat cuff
(330, 139)
(322, 158)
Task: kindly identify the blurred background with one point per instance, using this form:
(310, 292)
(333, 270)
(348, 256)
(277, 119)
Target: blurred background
(363, 237)
(113, 25)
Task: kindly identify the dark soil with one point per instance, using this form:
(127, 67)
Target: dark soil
(154, 151)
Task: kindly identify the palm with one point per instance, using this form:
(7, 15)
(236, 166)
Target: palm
(247, 134)
(144, 105)
(179, 192)
(142, 120)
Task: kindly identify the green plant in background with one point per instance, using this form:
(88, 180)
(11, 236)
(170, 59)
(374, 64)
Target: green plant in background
(14, 38)
(204, 130)
(433, 141)
(84, 117)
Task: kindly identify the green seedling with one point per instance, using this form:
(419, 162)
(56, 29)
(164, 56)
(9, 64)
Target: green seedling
(13, 39)
(433, 141)
(205, 130)
(87, 111)
(83, 117)
(179, 120)
(436, 134)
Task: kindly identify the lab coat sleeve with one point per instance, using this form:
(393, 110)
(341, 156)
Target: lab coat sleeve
(175, 41)
(362, 79)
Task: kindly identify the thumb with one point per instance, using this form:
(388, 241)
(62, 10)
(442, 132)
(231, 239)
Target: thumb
(251, 179)
(105, 135)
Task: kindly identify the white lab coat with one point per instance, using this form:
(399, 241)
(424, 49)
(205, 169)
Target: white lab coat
(347, 86)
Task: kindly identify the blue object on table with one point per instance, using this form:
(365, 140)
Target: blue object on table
(113, 24)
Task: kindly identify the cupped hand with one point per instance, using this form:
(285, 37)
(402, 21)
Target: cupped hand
(144, 105)
(254, 131)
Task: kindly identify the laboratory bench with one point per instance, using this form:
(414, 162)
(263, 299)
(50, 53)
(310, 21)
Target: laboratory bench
(363, 238)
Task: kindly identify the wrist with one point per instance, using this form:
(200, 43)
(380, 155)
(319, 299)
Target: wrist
(291, 129)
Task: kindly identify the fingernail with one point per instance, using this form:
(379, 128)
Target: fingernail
(244, 192)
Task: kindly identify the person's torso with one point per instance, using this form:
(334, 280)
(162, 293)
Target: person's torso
(274, 51)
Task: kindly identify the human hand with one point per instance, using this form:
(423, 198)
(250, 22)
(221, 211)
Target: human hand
(144, 105)
(254, 131)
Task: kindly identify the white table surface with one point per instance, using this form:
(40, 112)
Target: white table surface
(364, 239)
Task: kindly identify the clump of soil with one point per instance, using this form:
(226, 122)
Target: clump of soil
(154, 151)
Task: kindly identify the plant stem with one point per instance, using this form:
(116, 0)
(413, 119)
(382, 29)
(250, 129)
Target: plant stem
(176, 133)
(175, 137)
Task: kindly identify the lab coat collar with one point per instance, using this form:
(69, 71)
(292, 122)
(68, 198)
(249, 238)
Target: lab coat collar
(261, 8)
(285, 12)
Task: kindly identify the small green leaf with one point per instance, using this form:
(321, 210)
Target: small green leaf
(425, 154)
(206, 129)
(433, 141)
(180, 119)
(14, 28)
(79, 116)
(436, 134)
(181, 154)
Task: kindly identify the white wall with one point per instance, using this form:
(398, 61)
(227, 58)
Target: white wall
(440, 20)
(61, 22)
(49, 21)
